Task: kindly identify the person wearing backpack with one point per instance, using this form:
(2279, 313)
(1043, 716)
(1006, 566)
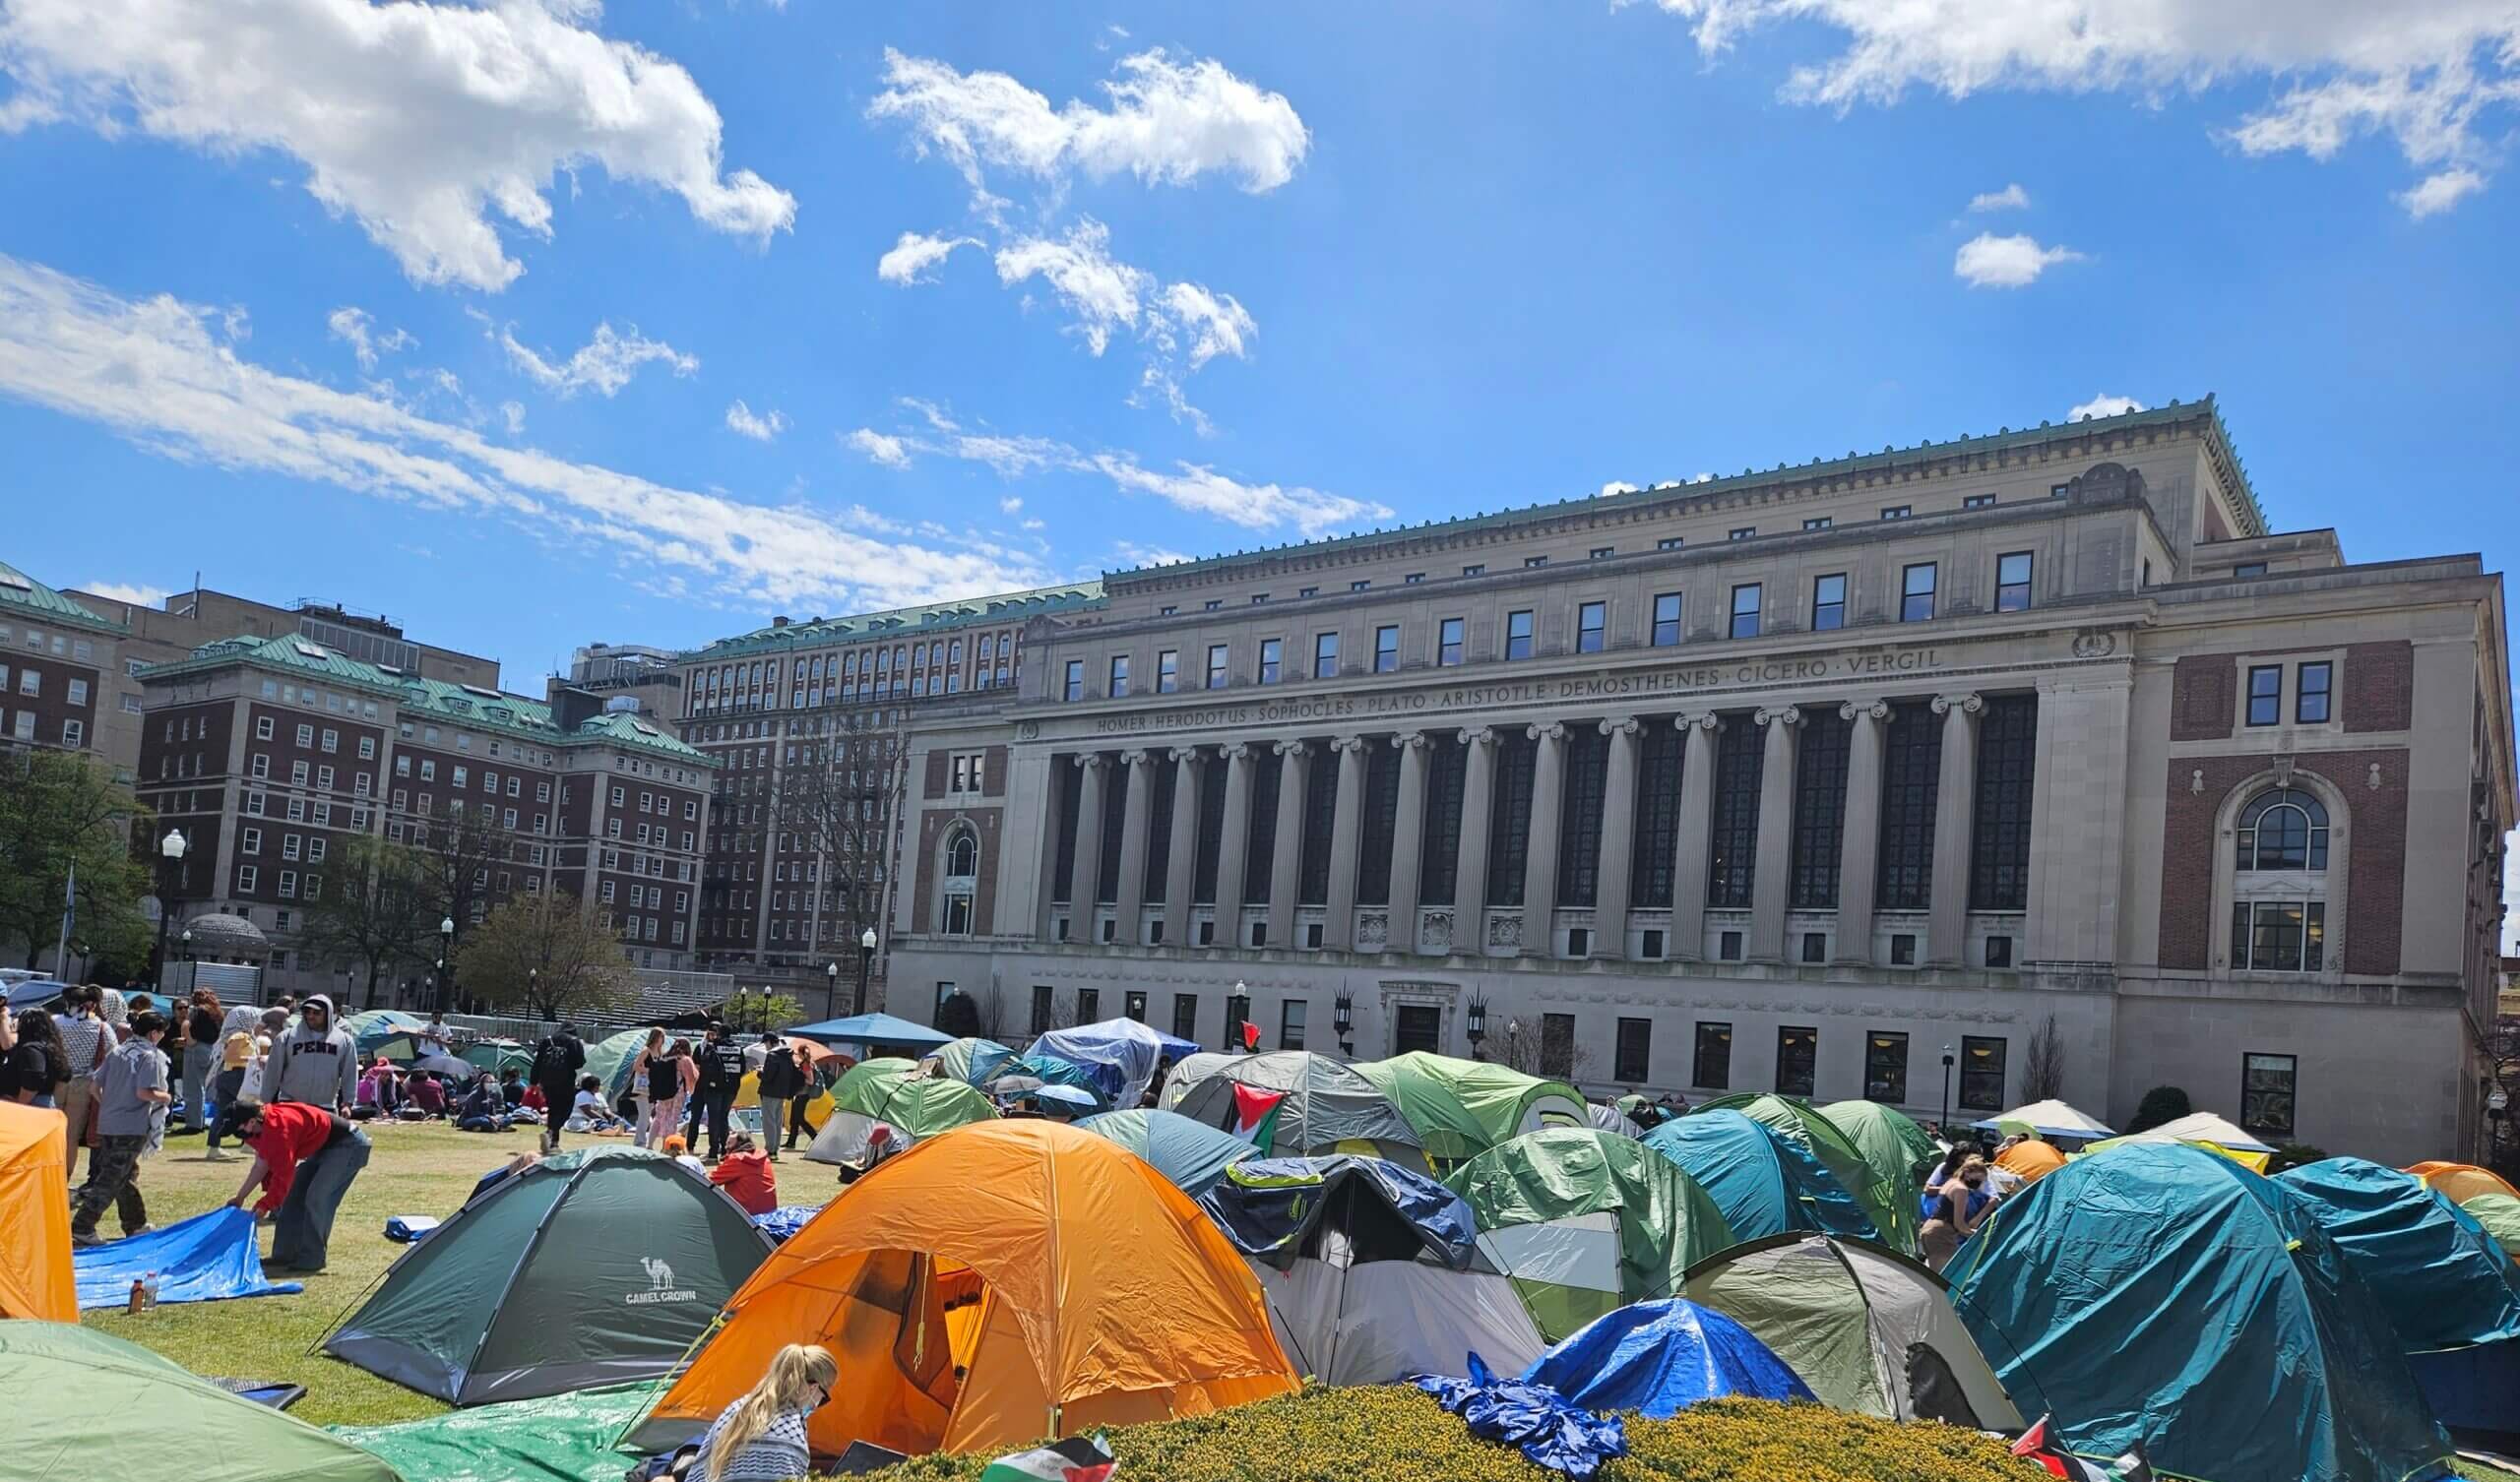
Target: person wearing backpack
(556, 1061)
(779, 1081)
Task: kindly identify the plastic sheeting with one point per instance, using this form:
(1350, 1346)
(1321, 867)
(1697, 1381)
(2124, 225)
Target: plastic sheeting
(1659, 1358)
(208, 1257)
(786, 1220)
(1532, 1418)
(1120, 1054)
(560, 1436)
(2445, 1282)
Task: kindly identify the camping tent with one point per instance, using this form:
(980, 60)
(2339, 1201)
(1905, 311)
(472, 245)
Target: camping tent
(973, 1062)
(2048, 1119)
(1191, 1155)
(609, 1059)
(591, 1267)
(1661, 1357)
(1461, 1108)
(373, 1027)
(1585, 1220)
(2168, 1296)
(896, 1094)
(2199, 1129)
(90, 1403)
(1887, 1195)
(1005, 1280)
(2462, 1180)
(1764, 1182)
(36, 1279)
(34, 993)
(1326, 1107)
(1121, 1054)
(1897, 1149)
(1373, 1271)
(2031, 1159)
(1608, 1118)
(881, 1032)
(2445, 1282)
(1189, 1071)
(2499, 1213)
(496, 1055)
(1868, 1329)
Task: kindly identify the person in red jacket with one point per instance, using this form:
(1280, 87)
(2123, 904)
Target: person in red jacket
(746, 1176)
(305, 1159)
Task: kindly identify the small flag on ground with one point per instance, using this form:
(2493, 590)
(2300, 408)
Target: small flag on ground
(1255, 1115)
(2037, 1446)
(1079, 1458)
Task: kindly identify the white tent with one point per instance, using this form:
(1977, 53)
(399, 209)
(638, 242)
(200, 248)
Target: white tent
(2050, 1119)
(2199, 1127)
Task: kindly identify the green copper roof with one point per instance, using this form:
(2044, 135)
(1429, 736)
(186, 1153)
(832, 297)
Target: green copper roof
(1676, 495)
(32, 601)
(908, 622)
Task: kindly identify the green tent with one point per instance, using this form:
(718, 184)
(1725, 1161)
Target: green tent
(592, 1267)
(895, 1094)
(556, 1436)
(1765, 1182)
(1889, 1199)
(2499, 1213)
(2165, 1294)
(1891, 1142)
(1584, 1221)
(1192, 1155)
(973, 1062)
(1461, 1108)
(496, 1055)
(89, 1403)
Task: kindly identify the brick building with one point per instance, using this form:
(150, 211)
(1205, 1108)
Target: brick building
(56, 657)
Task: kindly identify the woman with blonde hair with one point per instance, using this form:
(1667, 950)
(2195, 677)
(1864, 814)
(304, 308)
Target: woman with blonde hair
(761, 1437)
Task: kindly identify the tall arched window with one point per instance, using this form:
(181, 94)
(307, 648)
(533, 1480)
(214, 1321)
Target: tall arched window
(2279, 882)
(961, 880)
(2283, 829)
(963, 855)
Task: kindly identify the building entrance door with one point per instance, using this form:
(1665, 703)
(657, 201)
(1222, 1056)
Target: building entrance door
(1418, 1026)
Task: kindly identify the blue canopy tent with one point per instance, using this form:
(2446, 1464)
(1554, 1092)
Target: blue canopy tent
(1661, 1357)
(1764, 1182)
(880, 1031)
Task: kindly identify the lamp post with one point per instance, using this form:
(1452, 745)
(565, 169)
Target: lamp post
(1237, 1013)
(1344, 1016)
(187, 941)
(865, 964)
(831, 987)
(1945, 1125)
(444, 957)
(532, 987)
(1477, 1027)
(170, 859)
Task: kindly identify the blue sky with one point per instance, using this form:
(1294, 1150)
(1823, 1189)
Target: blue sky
(534, 324)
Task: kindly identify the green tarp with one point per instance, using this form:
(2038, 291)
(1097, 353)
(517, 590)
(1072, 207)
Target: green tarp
(91, 1405)
(1461, 1108)
(2445, 1282)
(1765, 1182)
(2168, 1295)
(560, 1438)
(2499, 1213)
(1888, 1199)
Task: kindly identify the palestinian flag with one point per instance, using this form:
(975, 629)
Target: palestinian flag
(1079, 1458)
(2037, 1446)
(1254, 1115)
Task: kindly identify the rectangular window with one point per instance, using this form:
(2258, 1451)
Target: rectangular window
(1291, 1017)
(1745, 610)
(1168, 671)
(1119, 676)
(1558, 1045)
(1916, 593)
(1272, 660)
(245, 878)
(1667, 619)
(1042, 1009)
(261, 728)
(1902, 950)
(1728, 947)
(1896, 510)
(1186, 1016)
(2279, 936)
(1592, 621)
(1089, 1006)
(1797, 1060)
(1387, 649)
(1633, 1054)
(2267, 1085)
(1448, 643)
(1817, 522)
(2012, 582)
(1649, 945)
(1828, 601)
(1533, 562)
(1074, 686)
(1999, 952)
(1218, 656)
(1712, 1069)
(1982, 1073)
(1358, 585)
(1978, 501)
(1885, 1067)
(2249, 569)
(2266, 695)
(1478, 570)
(1742, 533)
(74, 733)
(1325, 656)
(1815, 947)
(2310, 683)
(1213, 604)
(1604, 552)
(1259, 598)
(1518, 635)
(1670, 543)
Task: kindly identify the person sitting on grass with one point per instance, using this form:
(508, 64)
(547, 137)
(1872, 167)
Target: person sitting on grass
(378, 1094)
(587, 1111)
(305, 1159)
(680, 1150)
(428, 1095)
(483, 1108)
(761, 1437)
(746, 1176)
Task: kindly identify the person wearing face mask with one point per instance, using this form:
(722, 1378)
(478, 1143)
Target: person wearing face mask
(1952, 1211)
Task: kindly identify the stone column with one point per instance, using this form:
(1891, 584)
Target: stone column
(1955, 808)
(1615, 869)
(1338, 929)
(1181, 863)
(1130, 896)
(1408, 841)
(1233, 842)
(1286, 862)
(1697, 812)
(1540, 859)
(1477, 805)
(1772, 875)
(1088, 871)
(1859, 840)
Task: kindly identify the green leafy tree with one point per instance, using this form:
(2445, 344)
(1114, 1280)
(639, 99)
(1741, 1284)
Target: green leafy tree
(377, 906)
(548, 956)
(2163, 1104)
(59, 811)
(762, 1011)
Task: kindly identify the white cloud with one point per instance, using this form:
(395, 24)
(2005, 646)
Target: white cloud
(351, 326)
(910, 258)
(2437, 193)
(137, 594)
(1102, 293)
(513, 413)
(1012, 504)
(605, 362)
(1216, 323)
(1988, 261)
(415, 119)
(761, 429)
(2422, 72)
(1618, 486)
(1169, 123)
(1132, 556)
(154, 371)
(890, 452)
(2104, 405)
(2010, 198)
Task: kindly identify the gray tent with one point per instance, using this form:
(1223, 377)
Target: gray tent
(1328, 1107)
(1867, 1329)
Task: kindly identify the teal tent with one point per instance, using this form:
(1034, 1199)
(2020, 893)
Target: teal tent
(609, 1060)
(373, 1028)
(593, 1268)
(1764, 1182)
(1192, 1155)
(2163, 1294)
(973, 1062)
(2444, 1281)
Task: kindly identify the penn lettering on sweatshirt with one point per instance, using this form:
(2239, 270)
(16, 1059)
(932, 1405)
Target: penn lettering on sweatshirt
(318, 1068)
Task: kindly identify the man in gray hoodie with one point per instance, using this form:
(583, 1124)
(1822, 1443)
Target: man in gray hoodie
(316, 1063)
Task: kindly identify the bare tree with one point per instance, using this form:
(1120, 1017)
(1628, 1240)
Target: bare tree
(551, 956)
(465, 852)
(818, 808)
(2042, 1073)
(376, 908)
(1524, 1045)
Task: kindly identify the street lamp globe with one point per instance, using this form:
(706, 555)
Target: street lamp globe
(173, 846)
(446, 927)
(867, 943)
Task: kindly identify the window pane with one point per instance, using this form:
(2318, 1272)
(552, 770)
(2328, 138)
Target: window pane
(1518, 635)
(1798, 1057)
(2266, 695)
(1667, 619)
(1272, 654)
(1829, 602)
(1635, 1051)
(1387, 649)
(1590, 621)
(1916, 601)
(1982, 1073)
(1745, 611)
(2012, 582)
(2311, 700)
(1448, 643)
(2267, 1086)
(1325, 656)
(1712, 1067)
(1885, 1067)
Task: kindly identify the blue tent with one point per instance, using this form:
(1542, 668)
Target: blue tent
(881, 1031)
(2163, 1294)
(1765, 1183)
(205, 1258)
(36, 993)
(1269, 1207)
(1661, 1357)
(1192, 1155)
(2445, 1282)
(1121, 1054)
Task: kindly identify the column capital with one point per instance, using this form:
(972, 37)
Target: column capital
(1704, 720)
(1135, 757)
(1090, 761)
(1620, 725)
(1356, 744)
(1969, 704)
(1782, 715)
(1184, 753)
(1864, 710)
(1477, 735)
(1289, 748)
(1409, 741)
(1235, 751)
(1545, 731)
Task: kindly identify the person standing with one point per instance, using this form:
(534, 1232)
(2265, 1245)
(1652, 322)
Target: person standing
(721, 1070)
(316, 1063)
(778, 1084)
(305, 1159)
(130, 1088)
(556, 1061)
(36, 1069)
(238, 1050)
(85, 1040)
(200, 1042)
(641, 1081)
(671, 1078)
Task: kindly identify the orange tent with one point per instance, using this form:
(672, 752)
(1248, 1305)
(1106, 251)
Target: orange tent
(36, 1280)
(2031, 1162)
(2460, 1182)
(999, 1282)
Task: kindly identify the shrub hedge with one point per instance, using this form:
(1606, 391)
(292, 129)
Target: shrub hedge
(1395, 1434)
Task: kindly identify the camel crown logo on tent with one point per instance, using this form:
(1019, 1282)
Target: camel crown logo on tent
(660, 1287)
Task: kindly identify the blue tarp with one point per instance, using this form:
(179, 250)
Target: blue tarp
(2445, 1282)
(1120, 1054)
(1049, 1069)
(881, 1031)
(1764, 1182)
(205, 1258)
(1269, 1208)
(1659, 1358)
(786, 1220)
(1532, 1417)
